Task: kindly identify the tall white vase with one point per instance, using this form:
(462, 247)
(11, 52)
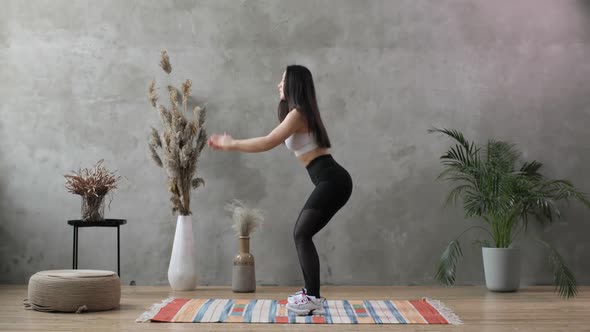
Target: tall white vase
(182, 274)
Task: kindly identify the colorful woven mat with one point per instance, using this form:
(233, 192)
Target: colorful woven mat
(422, 311)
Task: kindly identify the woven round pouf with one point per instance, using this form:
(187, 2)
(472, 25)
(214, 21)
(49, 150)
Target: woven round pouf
(74, 291)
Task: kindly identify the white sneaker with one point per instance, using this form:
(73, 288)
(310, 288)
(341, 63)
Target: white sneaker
(296, 296)
(307, 305)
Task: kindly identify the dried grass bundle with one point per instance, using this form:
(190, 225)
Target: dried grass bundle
(173, 97)
(246, 219)
(92, 184)
(186, 92)
(153, 97)
(165, 62)
(178, 147)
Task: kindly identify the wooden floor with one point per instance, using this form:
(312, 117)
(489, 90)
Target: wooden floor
(530, 309)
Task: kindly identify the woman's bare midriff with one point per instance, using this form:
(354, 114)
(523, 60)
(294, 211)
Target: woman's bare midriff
(307, 157)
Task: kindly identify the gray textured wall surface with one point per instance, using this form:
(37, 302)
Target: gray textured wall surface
(73, 90)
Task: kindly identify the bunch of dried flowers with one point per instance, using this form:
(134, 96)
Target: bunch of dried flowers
(92, 184)
(177, 148)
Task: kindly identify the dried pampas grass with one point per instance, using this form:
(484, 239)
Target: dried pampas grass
(165, 62)
(246, 219)
(186, 91)
(152, 96)
(178, 147)
(173, 97)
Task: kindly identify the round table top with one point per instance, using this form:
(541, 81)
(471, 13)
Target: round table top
(102, 223)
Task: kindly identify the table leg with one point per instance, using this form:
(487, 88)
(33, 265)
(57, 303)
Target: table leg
(74, 247)
(118, 253)
(76, 252)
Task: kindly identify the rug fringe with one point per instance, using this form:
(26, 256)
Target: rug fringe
(153, 310)
(444, 311)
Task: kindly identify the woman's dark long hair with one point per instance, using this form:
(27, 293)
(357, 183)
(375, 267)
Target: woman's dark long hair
(300, 94)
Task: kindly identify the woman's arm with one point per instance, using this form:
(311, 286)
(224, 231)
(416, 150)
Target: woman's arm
(291, 124)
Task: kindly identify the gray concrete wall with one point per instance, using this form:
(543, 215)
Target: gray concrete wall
(73, 90)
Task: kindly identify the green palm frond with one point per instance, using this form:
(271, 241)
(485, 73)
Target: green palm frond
(563, 189)
(454, 175)
(455, 134)
(564, 279)
(464, 154)
(501, 156)
(447, 267)
(448, 263)
(532, 169)
(455, 194)
(546, 209)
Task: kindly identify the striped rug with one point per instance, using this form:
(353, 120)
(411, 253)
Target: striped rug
(178, 310)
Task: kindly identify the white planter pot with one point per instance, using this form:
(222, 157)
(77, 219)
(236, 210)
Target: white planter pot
(182, 274)
(502, 268)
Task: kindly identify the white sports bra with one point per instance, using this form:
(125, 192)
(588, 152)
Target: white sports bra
(301, 143)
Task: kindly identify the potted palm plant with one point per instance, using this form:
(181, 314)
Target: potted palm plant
(177, 149)
(505, 194)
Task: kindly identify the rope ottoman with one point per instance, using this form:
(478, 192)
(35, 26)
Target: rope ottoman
(73, 291)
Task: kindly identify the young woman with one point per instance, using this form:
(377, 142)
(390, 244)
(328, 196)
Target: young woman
(302, 130)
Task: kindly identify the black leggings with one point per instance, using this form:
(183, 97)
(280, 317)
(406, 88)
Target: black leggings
(333, 186)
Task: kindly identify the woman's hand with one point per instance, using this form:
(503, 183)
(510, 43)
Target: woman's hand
(220, 142)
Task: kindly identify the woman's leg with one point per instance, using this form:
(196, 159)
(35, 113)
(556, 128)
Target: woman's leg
(332, 191)
(310, 222)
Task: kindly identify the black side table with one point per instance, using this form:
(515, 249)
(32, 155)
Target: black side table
(105, 223)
